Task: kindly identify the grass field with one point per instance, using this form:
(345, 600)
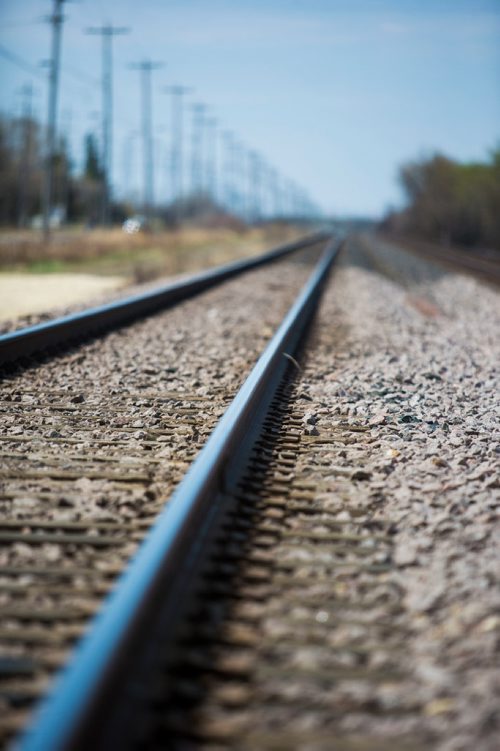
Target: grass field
(139, 257)
(79, 266)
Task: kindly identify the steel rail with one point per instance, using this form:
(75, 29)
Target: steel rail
(160, 575)
(486, 268)
(62, 331)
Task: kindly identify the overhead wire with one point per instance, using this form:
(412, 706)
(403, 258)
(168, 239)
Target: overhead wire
(16, 60)
(30, 68)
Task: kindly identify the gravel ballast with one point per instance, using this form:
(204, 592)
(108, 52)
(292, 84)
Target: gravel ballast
(375, 618)
(400, 381)
(92, 444)
(366, 607)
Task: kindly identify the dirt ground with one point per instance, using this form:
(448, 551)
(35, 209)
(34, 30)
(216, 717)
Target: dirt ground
(79, 267)
(25, 294)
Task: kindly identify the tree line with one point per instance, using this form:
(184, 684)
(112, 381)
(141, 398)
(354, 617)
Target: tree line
(78, 196)
(450, 202)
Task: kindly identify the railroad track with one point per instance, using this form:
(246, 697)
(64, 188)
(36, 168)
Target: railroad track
(485, 268)
(264, 606)
(76, 504)
(75, 328)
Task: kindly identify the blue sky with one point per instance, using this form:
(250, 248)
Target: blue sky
(335, 93)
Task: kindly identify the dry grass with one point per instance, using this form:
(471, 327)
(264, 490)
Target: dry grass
(139, 257)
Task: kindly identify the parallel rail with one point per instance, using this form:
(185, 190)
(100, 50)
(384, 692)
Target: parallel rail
(485, 268)
(63, 331)
(153, 594)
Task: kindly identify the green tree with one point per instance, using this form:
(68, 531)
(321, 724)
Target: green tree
(450, 202)
(93, 169)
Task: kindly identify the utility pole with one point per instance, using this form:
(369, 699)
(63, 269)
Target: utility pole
(107, 32)
(177, 157)
(265, 205)
(56, 20)
(275, 192)
(256, 185)
(270, 192)
(230, 170)
(145, 67)
(296, 201)
(248, 186)
(211, 180)
(66, 122)
(25, 161)
(241, 179)
(289, 198)
(238, 179)
(197, 147)
(129, 161)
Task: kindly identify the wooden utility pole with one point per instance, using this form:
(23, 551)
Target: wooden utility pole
(107, 32)
(211, 165)
(145, 67)
(56, 20)
(197, 148)
(177, 153)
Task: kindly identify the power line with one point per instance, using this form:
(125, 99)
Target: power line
(19, 24)
(16, 60)
(82, 77)
(269, 187)
(28, 67)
